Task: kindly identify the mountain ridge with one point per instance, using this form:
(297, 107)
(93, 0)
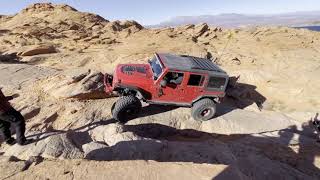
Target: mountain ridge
(234, 20)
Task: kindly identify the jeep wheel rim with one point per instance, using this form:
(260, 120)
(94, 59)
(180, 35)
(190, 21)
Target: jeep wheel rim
(129, 111)
(205, 113)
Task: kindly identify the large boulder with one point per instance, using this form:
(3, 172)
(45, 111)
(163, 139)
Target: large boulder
(77, 84)
(113, 134)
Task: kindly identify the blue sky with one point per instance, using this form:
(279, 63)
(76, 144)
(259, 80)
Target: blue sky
(154, 11)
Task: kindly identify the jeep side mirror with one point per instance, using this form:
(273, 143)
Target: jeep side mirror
(163, 83)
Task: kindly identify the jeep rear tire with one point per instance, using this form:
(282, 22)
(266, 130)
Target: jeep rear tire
(203, 110)
(126, 108)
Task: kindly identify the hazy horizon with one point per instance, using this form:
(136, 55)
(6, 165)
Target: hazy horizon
(154, 12)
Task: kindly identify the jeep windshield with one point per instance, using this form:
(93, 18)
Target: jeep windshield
(156, 67)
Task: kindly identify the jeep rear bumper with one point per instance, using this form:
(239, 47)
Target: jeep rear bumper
(108, 78)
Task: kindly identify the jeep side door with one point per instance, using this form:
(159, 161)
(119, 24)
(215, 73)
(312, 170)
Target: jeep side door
(172, 92)
(194, 86)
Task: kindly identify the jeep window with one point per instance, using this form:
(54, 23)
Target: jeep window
(156, 67)
(195, 80)
(174, 78)
(216, 82)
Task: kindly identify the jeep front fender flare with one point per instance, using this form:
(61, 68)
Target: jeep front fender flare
(140, 93)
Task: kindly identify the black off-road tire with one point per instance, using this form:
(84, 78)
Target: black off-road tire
(203, 110)
(126, 108)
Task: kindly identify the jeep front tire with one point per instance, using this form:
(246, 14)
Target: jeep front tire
(126, 108)
(203, 110)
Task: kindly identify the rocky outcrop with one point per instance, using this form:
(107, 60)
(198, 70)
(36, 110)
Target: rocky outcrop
(200, 29)
(128, 24)
(38, 50)
(75, 84)
(40, 7)
(54, 146)
(113, 134)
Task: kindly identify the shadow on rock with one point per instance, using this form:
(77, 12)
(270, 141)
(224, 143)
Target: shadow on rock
(81, 131)
(237, 96)
(245, 152)
(154, 109)
(10, 59)
(245, 95)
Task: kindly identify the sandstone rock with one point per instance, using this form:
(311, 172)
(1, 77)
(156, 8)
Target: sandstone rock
(30, 111)
(87, 148)
(39, 7)
(54, 146)
(127, 24)
(117, 138)
(23, 75)
(109, 41)
(74, 27)
(85, 85)
(253, 107)
(112, 134)
(96, 28)
(92, 150)
(31, 162)
(246, 122)
(200, 29)
(33, 59)
(9, 169)
(77, 76)
(114, 26)
(38, 50)
(236, 61)
(98, 133)
(121, 170)
(91, 87)
(194, 39)
(189, 26)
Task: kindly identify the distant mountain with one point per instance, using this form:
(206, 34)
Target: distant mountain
(239, 20)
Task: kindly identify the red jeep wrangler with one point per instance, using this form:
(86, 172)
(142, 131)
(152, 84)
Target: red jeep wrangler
(167, 80)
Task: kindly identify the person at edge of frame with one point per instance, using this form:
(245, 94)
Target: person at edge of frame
(9, 116)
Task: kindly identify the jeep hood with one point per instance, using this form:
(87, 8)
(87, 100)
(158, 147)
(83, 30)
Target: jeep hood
(132, 74)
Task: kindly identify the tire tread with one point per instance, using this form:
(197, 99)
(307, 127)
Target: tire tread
(122, 103)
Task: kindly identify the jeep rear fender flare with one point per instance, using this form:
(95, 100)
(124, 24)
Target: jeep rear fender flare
(214, 98)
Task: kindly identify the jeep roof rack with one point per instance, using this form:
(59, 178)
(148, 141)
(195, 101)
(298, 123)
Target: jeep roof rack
(188, 63)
